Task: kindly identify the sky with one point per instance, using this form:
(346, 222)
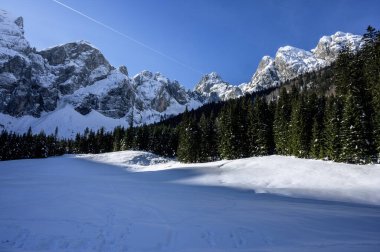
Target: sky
(185, 39)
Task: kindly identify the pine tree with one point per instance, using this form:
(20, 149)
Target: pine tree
(141, 138)
(128, 140)
(188, 143)
(252, 132)
(300, 128)
(240, 127)
(318, 143)
(229, 131)
(353, 141)
(118, 135)
(204, 129)
(40, 150)
(260, 128)
(332, 132)
(281, 123)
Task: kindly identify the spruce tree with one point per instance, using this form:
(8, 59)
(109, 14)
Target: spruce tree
(253, 128)
(300, 128)
(353, 140)
(232, 131)
(281, 123)
(225, 133)
(127, 142)
(332, 132)
(188, 143)
(207, 139)
(118, 134)
(318, 143)
(261, 133)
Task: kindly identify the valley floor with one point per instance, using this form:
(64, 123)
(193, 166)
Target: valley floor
(135, 201)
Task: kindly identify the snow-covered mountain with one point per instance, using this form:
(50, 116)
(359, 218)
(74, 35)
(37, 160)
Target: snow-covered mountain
(73, 86)
(290, 62)
(214, 88)
(73, 83)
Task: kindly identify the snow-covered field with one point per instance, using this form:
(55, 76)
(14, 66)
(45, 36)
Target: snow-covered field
(136, 201)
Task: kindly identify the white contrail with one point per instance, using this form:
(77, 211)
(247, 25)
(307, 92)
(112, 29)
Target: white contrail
(128, 37)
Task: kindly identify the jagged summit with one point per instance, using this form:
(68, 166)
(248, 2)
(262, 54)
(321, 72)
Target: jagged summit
(207, 81)
(214, 88)
(12, 32)
(329, 47)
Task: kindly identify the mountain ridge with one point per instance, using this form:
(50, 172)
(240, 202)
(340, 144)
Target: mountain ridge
(76, 78)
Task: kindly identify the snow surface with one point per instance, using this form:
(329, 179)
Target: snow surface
(137, 201)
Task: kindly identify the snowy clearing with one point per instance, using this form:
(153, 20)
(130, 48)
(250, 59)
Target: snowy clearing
(136, 201)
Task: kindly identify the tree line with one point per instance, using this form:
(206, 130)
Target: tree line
(331, 114)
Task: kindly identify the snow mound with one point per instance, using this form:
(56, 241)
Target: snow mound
(131, 159)
(289, 176)
(303, 178)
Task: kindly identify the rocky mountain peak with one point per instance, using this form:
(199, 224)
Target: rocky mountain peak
(80, 50)
(213, 76)
(290, 61)
(290, 53)
(208, 81)
(265, 61)
(329, 47)
(123, 70)
(214, 88)
(12, 32)
(20, 22)
(265, 76)
(75, 65)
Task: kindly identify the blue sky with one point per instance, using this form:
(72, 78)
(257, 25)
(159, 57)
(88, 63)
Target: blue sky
(229, 37)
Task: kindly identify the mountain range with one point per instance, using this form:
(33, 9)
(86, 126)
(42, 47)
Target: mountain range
(73, 86)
